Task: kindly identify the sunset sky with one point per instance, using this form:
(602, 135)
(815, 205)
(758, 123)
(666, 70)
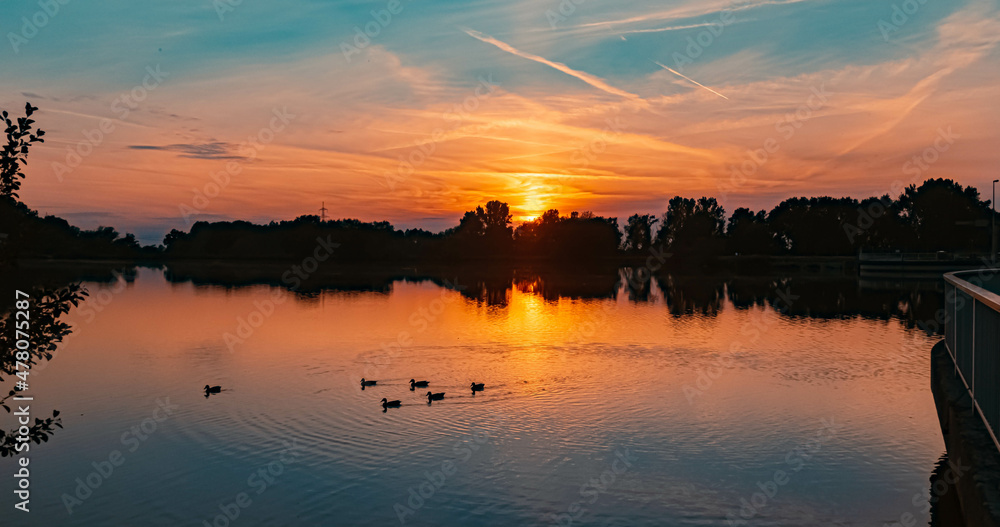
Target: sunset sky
(609, 106)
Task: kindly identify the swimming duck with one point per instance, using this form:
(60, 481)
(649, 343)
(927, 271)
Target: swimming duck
(434, 396)
(367, 383)
(212, 389)
(418, 384)
(390, 404)
(478, 387)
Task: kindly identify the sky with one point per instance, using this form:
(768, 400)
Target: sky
(161, 114)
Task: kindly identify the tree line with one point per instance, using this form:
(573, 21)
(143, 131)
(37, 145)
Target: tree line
(938, 215)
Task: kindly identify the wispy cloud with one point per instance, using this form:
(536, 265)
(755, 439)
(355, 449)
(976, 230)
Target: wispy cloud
(592, 80)
(214, 150)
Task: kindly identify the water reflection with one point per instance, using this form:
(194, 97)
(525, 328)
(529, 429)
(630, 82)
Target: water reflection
(687, 295)
(577, 363)
(914, 303)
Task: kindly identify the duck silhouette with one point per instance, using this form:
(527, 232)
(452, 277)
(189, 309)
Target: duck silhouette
(367, 383)
(390, 404)
(418, 384)
(478, 387)
(212, 389)
(434, 396)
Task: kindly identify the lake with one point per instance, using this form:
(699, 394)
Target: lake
(609, 401)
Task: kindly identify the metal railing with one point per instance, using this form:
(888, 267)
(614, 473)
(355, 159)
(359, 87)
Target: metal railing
(940, 256)
(972, 335)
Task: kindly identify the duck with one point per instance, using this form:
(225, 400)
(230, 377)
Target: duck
(418, 384)
(478, 387)
(390, 404)
(434, 396)
(367, 383)
(212, 389)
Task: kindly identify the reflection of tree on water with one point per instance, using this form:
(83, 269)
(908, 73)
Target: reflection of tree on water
(822, 296)
(494, 291)
(638, 284)
(746, 293)
(555, 283)
(687, 295)
(944, 506)
(45, 331)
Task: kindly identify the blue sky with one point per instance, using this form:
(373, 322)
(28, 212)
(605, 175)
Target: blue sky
(539, 138)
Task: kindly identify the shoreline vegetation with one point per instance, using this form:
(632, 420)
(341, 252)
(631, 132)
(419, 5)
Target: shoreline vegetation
(939, 215)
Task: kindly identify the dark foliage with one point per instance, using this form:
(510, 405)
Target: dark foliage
(573, 238)
(15, 152)
(44, 332)
(25, 235)
(939, 215)
(693, 226)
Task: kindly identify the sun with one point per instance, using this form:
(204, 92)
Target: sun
(536, 196)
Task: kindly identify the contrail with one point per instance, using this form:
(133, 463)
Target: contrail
(681, 13)
(79, 114)
(664, 29)
(592, 80)
(690, 79)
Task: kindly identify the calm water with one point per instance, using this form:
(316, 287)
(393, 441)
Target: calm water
(656, 407)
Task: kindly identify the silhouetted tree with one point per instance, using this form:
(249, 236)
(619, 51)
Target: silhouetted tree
(576, 238)
(497, 230)
(533, 237)
(748, 233)
(943, 215)
(880, 226)
(639, 232)
(496, 217)
(172, 237)
(469, 227)
(693, 225)
(814, 226)
(15, 152)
